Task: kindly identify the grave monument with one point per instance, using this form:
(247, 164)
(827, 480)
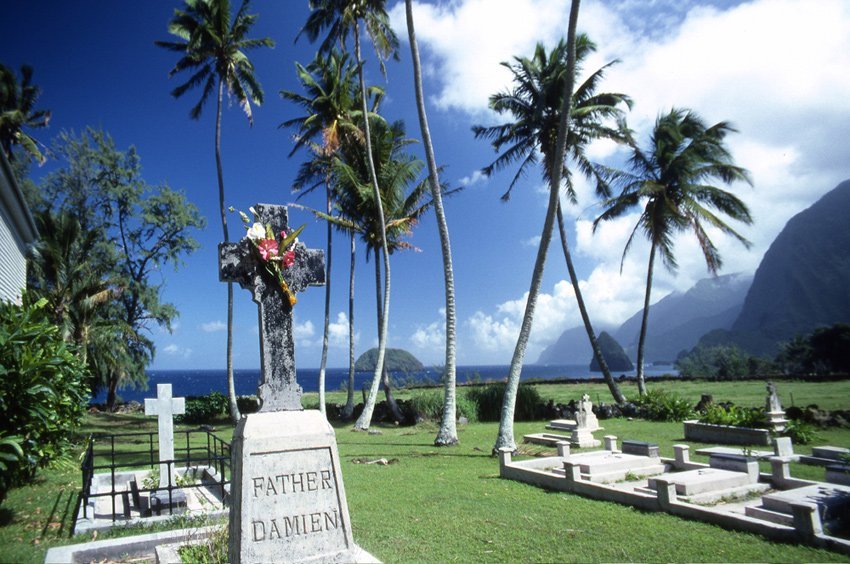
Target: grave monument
(288, 500)
(775, 413)
(165, 407)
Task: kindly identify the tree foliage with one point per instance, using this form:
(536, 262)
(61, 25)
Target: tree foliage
(17, 113)
(721, 362)
(106, 237)
(824, 351)
(42, 391)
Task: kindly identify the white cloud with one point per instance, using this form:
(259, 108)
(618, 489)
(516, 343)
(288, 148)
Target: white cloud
(467, 40)
(213, 326)
(532, 242)
(303, 333)
(177, 351)
(338, 332)
(475, 177)
(431, 338)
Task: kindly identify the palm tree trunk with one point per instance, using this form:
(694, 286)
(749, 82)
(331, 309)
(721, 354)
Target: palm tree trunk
(385, 377)
(231, 384)
(591, 334)
(447, 434)
(365, 418)
(348, 411)
(324, 362)
(505, 438)
(641, 383)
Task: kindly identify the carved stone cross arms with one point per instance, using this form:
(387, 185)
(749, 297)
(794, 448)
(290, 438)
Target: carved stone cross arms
(239, 262)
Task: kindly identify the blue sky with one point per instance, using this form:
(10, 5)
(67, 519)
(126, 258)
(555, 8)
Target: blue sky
(776, 68)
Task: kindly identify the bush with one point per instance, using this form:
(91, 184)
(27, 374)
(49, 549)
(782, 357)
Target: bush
(488, 402)
(800, 432)
(658, 405)
(248, 404)
(751, 417)
(204, 409)
(429, 404)
(42, 392)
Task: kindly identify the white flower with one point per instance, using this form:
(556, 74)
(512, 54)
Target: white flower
(257, 232)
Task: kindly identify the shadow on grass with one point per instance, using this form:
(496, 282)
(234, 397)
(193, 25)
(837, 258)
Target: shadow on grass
(6, 516)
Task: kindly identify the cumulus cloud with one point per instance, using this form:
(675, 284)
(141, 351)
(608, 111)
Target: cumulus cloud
(431, 338)
(177, 351)
(338, 332)
(213, 326)
(303, 333)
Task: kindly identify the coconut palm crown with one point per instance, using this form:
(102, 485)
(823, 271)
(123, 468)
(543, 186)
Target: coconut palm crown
(17, 102)
(535, 102)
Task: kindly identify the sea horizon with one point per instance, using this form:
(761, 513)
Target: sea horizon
(201, 382)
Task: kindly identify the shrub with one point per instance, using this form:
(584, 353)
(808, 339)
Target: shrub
(248, 404)
(752, 417)
(488, 401)
(800, 432)
(659, 405)
(42, 392)
(204, 409)
(429, 404)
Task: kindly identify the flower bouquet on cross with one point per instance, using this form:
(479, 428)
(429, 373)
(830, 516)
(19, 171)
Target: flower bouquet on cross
(276, 255)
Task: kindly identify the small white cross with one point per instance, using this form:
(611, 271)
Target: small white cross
(165, 407)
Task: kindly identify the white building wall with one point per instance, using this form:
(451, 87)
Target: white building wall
(13, 264)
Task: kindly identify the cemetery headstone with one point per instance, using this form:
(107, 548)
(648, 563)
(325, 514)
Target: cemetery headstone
(288, 499)
(165, 407)
(775, 413)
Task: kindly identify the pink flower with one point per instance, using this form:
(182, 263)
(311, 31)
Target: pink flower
(288, 258)
(268, 249)
(283, 234)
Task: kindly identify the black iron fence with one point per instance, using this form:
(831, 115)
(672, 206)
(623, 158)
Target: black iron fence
(106, 453)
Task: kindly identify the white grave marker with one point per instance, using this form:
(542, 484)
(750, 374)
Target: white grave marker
(165, 408)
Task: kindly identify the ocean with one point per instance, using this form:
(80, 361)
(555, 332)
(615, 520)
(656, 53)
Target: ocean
(187, 383)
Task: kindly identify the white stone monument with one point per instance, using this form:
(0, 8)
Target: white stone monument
(287, 498)
(586, 424)
(775, 413)
(165, 407)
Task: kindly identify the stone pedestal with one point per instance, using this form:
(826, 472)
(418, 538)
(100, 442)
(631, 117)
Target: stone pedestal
(288, 499)
(777, 420)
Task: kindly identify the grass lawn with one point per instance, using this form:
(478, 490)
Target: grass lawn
(448, 504)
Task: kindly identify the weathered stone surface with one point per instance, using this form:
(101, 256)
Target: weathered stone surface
(239, 262)
(288, 497)
(165, 408)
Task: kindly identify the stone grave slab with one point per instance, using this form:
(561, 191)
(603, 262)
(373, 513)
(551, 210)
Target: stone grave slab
(603, 466)
(705, 480)
(760, 454)
(545, 439)
(825, 456)
(832, 501)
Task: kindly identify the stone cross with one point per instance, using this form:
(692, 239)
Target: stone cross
(165, 408)
(240, 262)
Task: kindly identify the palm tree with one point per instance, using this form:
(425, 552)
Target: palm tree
(212, 47)
(669, 179)
(447, 434)
(396, 170)
(535, 103)
(341, 18)
(505, 437)
(16, 112)
(330, 102)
